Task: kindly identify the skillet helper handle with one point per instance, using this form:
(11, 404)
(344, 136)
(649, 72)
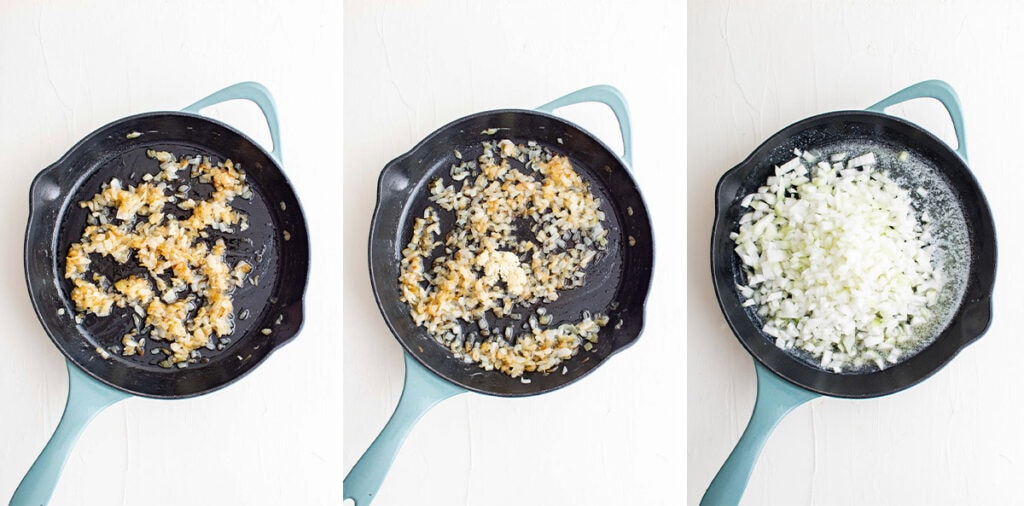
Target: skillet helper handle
(776, 397)
(86, 398)
(423, 389)
(939, 90)
(255, 93)
(607, 95)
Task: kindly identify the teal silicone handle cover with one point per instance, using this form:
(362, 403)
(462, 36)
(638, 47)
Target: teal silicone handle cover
(939, 90)
(775, 398)
(255, 93)
(607, 95)
(86, 398)
(423, 389)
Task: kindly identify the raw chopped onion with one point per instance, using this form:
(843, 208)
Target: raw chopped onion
(837, 263)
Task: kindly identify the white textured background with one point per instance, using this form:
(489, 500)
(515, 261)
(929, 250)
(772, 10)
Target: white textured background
(755, 67)
(67, 68)
(615, 438)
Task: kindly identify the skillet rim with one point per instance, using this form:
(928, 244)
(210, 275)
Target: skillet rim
(970, 321)
(639, 316)
(38, 205)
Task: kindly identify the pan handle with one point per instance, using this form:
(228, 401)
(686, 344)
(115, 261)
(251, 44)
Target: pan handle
(86, 398)
(423, 389)
(775, 398)
(255, 93)
(607, 95)
(939, 90)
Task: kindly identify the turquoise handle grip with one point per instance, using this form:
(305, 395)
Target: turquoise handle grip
(775, 398)
(255, 93)
(606, 95)
(939, 90)
(423, 389)
(86, 398)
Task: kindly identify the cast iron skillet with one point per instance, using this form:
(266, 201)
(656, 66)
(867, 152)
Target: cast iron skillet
(785, 381)
(616, 284)
(56, 221)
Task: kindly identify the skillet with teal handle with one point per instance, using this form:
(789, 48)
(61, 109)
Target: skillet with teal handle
(616, 283)
(277, 234)
(785, 381)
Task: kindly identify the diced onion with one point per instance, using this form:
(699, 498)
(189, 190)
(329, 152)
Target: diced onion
(837, 263)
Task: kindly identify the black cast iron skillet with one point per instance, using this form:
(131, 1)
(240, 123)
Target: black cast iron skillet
(785, 380)
(276, 236)
(616, 284)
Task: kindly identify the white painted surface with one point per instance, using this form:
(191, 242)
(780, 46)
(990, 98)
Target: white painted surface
(615, 437)
(71, 67)
(755, 67)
